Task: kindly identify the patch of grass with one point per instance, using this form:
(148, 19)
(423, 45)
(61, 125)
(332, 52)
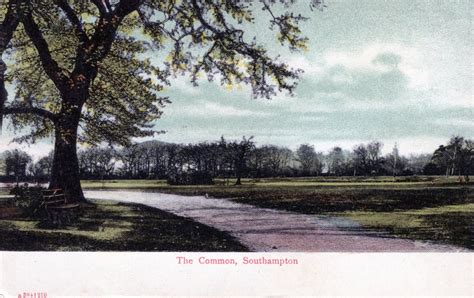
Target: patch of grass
(312, 200)
(322, 194)
(323, 181)
(109, 226)
(451, 224)
(114, 184)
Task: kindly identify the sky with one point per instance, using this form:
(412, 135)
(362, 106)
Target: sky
(394, 71)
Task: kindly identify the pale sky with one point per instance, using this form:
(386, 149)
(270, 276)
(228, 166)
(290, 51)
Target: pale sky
(394, 71)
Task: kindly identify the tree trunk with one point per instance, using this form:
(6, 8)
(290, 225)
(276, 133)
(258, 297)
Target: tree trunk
(3, 90)
(238, 173)
(65, 170)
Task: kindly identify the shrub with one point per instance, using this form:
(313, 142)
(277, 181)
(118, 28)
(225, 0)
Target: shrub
(27, 198)
(192, 178)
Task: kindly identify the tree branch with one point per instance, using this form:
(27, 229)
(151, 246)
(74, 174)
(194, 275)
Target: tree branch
(51, 67)
(107, 4)
(72, 17)
(100, 6)
(125, 7)
(79, 31)
(9, 24)
(203, 21)
(16, 110)
(106, 30)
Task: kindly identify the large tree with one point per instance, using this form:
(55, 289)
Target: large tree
(82, 69)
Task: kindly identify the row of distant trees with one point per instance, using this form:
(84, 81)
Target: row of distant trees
(200, 163)
(17, 165)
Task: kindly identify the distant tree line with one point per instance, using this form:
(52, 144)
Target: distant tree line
(17, 165)
(200, 163)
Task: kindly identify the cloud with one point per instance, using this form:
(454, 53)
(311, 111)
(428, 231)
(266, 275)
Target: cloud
(309, 66)
(37, 150)
(383, 57)
(455, 122)
(360, 84)
(381, 72)
(375, 73)
(456, 98)
(226, 110)
(212, 109)
(312, 118)
(184, 85)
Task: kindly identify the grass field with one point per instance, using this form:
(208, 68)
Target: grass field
(347, 181)
(426, 208)
(116, 227)
(451, 224)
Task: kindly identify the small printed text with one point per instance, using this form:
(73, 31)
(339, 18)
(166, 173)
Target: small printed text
(245, 260)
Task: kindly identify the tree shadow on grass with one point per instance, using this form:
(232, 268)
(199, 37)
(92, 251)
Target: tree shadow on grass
(116, 227)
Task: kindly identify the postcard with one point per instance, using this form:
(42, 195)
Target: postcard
(236, 148)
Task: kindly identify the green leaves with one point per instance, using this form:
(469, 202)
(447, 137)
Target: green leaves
(92, 55)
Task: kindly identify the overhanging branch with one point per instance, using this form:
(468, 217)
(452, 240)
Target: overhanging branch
(31, 110)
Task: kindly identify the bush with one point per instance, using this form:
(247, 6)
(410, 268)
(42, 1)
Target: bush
(192, 178)
(27, 198)
(432, 169)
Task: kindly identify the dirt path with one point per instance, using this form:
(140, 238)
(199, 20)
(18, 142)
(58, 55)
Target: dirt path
(272, 230)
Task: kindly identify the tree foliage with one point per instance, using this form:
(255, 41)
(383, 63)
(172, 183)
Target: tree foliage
(100, 57)
(92, 71)
(200, 163)
(16, 163)
(310, 162)
(455, 158)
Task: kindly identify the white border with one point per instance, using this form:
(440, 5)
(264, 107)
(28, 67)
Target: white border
(159, 274)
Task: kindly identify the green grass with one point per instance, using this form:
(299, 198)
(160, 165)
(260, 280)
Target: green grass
(427, 207)
(109, 226)
(117, 184)
(318, 200)
(345, 181)
(451, 224)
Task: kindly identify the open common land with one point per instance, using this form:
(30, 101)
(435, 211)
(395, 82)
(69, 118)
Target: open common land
(437, 209)
(431, 208)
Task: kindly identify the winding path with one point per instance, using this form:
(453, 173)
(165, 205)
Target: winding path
(273, 230)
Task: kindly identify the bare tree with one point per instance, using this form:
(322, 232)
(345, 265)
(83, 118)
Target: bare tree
(241, 152)
(336, 161)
